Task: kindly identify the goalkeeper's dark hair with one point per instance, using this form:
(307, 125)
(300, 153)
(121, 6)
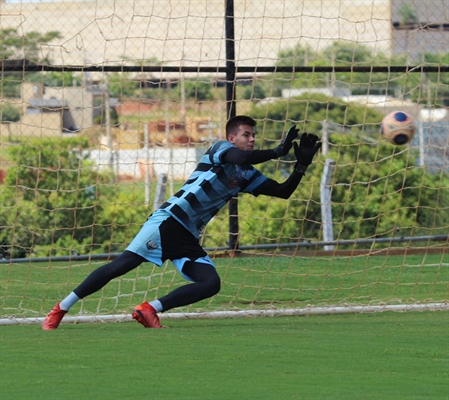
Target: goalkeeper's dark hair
(234, 122)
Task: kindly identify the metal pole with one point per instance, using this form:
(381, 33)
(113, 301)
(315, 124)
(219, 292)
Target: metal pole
(420, 124)
(326, 204)
(160, 191)
(167, 139)
(276, 246)
(231, 112)
(107, 112)
(183, 100)
(325, 138)
(147, 163)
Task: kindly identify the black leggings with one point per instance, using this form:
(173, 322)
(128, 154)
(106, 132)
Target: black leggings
(206, 283)
(205, 277)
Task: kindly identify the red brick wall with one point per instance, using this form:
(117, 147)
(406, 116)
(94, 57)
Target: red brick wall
(141, 107)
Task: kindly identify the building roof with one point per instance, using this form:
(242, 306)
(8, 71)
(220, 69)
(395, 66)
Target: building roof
(51, 102)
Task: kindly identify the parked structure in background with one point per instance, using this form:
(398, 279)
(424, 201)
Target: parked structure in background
(50, 111)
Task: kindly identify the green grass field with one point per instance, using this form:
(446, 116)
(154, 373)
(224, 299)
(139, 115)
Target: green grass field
(356, 356)
(31, 289)
(352, 356)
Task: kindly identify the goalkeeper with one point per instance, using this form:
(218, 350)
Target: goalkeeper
(172, 232)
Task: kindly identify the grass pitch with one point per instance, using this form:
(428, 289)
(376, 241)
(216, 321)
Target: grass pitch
(32, 289)
(365, 356)
(352, 356)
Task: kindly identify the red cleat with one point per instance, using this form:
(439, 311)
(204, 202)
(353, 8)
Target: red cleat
(53, 319)
(147, 316)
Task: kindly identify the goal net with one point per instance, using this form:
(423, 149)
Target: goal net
(106, 108)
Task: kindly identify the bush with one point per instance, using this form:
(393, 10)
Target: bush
(9, 113)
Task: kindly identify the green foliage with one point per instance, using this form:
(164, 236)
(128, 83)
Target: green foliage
(9, 113)
(10, 85)
(58, 79)
(200, 91)
(122, 215)
(121, 85)
(309, 111)
(255, 93)
(51, 194)
(408, 14)
(55, 78)
(28, 45)
(14, 45)
(101, 118)
(379, 191)
(340, 53)
(55, 202)
(299, 55)
(436, 86)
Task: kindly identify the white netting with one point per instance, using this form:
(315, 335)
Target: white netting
(89, 148)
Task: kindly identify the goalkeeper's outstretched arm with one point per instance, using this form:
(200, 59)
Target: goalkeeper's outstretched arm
(304, 152)
(282, 190)
(245, 157)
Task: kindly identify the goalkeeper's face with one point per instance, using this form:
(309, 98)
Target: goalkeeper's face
(243, 138)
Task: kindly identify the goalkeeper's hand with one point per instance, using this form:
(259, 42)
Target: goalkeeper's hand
(287, 142)
(305, 151)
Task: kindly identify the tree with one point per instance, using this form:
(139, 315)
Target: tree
(299, 55)
(9, 113)
(121, 85)
(380, 192)
(408, 15)
(254, 93)
(437, 83)
(311, 110)
(58, 79)
(51, 193)
(100, 119)
(340, 53)
(56, 202)
(199, 91)
(28, 46)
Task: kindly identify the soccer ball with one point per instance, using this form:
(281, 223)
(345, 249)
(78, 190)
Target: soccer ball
(398, 128)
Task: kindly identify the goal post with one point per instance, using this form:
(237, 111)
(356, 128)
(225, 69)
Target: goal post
(103, 115)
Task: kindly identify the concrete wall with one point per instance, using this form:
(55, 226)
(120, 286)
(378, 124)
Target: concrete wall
(131, 163)
(191, 32)
(37, 126)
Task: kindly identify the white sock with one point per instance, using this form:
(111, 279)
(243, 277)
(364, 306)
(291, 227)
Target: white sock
(157, 305)
(68, 302)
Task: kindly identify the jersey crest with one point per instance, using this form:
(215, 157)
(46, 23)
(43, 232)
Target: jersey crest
(236, 176)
